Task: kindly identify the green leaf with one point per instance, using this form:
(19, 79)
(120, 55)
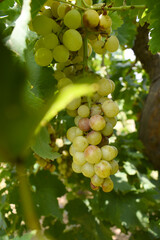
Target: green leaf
(27, 236)
(36, 6)
(48, 188)
(145, 182)
(121, 182)
(17, 40)
(3, 224)
(41, 145)
(116, 20)
(130, 168)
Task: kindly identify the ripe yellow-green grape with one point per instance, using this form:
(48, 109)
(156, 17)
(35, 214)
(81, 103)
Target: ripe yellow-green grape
(42, 25)
(109, 152)
(80, 143)
(60, 53)
(63, 9)
(72, 40)
(73, 132)
(105, 22)
(97, 181)
(88, 170)
(90, 18)
(73, 19)
(114, 166)
(43, 57)
(112, 44)
(107, 185)
(102, 169)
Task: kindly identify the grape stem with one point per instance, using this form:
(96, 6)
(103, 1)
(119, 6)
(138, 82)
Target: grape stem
(74, 5)
(121, 8)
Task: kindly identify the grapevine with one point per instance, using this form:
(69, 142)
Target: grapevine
(67, 35)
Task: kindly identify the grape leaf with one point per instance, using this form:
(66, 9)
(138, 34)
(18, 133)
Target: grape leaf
(36, 6)
(41, 145)
(121, 182)
(130, 168)
(116, 20)
(27, 236)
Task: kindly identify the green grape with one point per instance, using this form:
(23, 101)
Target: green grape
(84, 125)
(76, 168)
(43, 57)
(72, 40)
(96, 110)
(50, 41)
(77, 59)
(58, 75)
(73, 19)
(109, 152)
(63, 82)
(56, 27)
(63, 9)
(72, 150)
(42, 25)
(83, 111)
(94, 138)
(54, 8)
(95, 97)
(47, 12)
(39, 44)
(73, 132)
(72, 113)
(60, 53)
(105, 87)
(69, 70)
(105, 22)
(92, 154)
(80, 143)
(107, 185)
(113, 120)
(90, 18)
(74, 104)
(76, 120)
(97, 122)
(98, 47)
(88, 2)
(102, 169)
(110, 108)
(113, 85)
(97, 181)
(107, 130)
(114, 166)
(103, 99)
(79, 158)
(88, 170)
(112, 44)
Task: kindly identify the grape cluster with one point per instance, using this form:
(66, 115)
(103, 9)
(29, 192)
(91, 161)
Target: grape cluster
(90, 149)
(62, 28)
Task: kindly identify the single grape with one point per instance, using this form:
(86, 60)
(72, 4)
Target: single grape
(58, 75)
(84, 125)
(113, 85)
(113, 120)
(105, 87)
(63, 82)
(112, 44)
(70, 70)
(56, 27)
(94, 138)
(102, 169)
(93, 187)
(79, 158)
(43, 57)
(114, 166)
(42, 163)
(103, 99)
(98, 47)
(110, 108)
(104, 22)
(76, 168)
(83, 111)
(107, 185)
(63, 9)
(88, 170)
(72, 113)
(92, 154)
(89, 52)
(39, 44)
(72, 150)
(47, 13)
(77, 59)
(54, 8)
(72, 40)
(96, 110)
(107, 130)
(73, 19)
(97, 181)
(73, 132)
(97, 122)
(88, 2)
(109, 152)
(50, 41)
(76, 120)
(90, 18)
(74, 104)
(42, 25)
(60, 53)
(80, 143)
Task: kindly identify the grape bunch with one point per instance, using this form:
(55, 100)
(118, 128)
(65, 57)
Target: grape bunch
(90, 149)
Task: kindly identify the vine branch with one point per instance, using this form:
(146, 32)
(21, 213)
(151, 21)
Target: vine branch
(121, 8)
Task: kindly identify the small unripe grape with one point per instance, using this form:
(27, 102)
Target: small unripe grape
(84, 125)
(114, 166)
(88, 2)
(79, 158)
(39, 44)
(92, 154)
(43, 57)
(95, 188)
(73, 132)
(80, 143)
(110, 108)
(50, 41)
(98, 47)
(103, 99)
(97, 122)
(74, 104)
(97, 181)
(113, 120)
(94, 137)
(96, 110)
(105, 141)
(112, 44)
(41, 162)
(73, 19)
(58, 75)
(107, 130)
(107, 185)
(109, 152)
(72, 113)
(72, 150)
(54, 8)
(77, 59)
(63, 82)
(56, 27)
(60, 53)
(102, 169)
(76, 120)
(72, 40)
(83, 111)
(105, 87)
(63, 9)
(90, 18)
(76, 168)
(47, 13)
(104, 22)
(95, 97)
(42, 25)
(52, 168)
(88, 170)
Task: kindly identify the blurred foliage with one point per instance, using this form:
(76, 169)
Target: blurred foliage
(27, 93)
